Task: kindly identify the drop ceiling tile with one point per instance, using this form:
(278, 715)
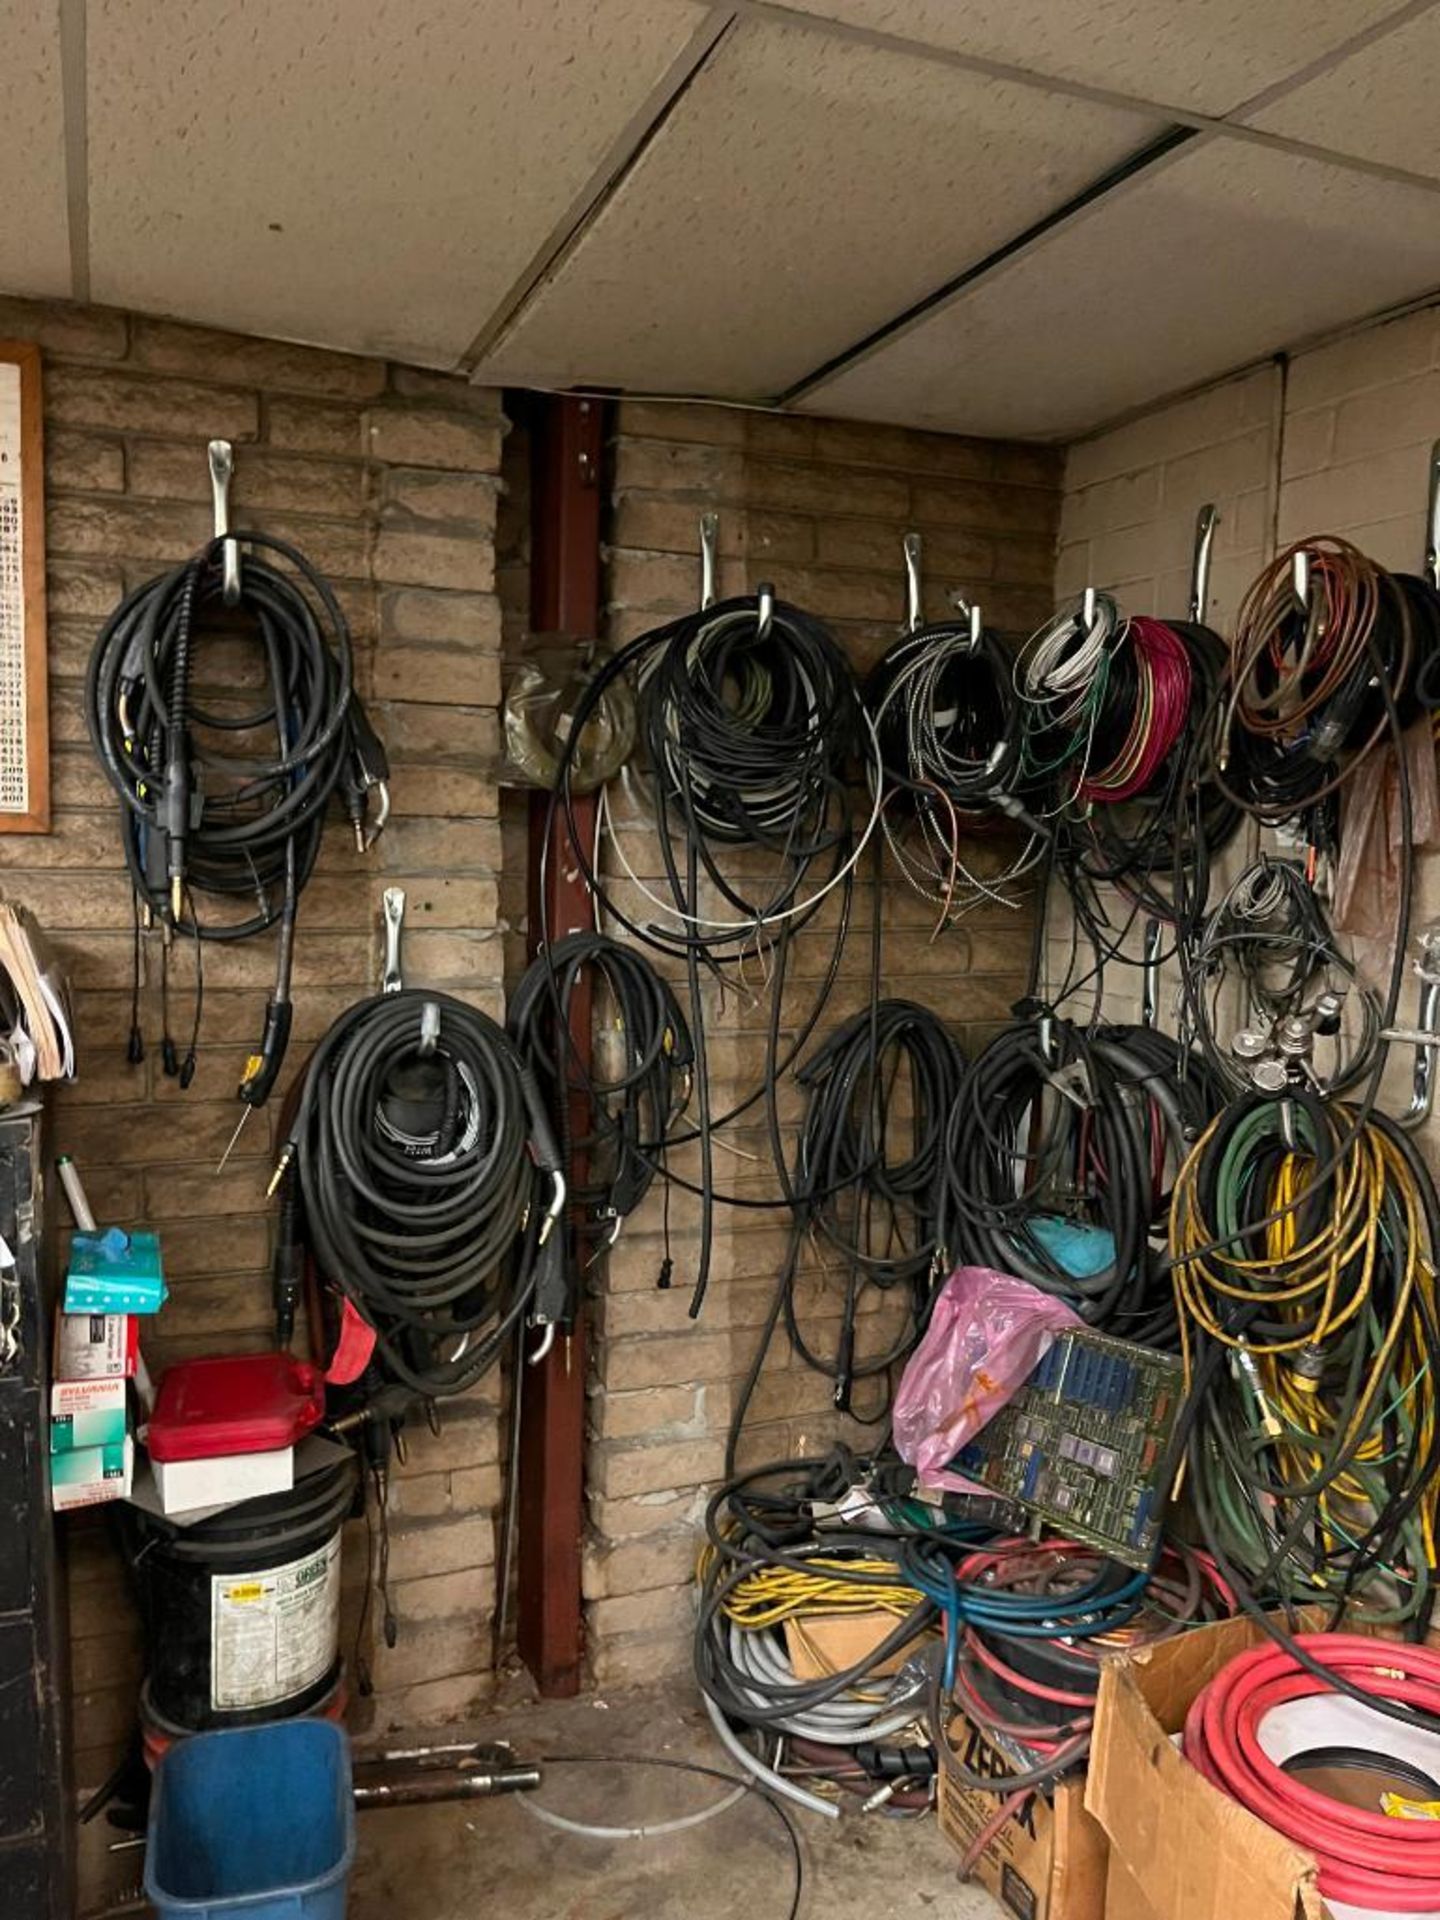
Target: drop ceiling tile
(1207, 55)
(1212, 259)
(1379, 104)
(34, 234)
(803, 191)
(360, 173)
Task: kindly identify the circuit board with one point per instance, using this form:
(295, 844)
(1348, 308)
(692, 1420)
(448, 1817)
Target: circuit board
(1083, 1443)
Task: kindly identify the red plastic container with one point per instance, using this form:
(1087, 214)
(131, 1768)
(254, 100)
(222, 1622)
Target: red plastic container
(235, 1403)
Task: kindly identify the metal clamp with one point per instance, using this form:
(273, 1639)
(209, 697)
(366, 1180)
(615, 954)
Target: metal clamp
(1150, 976)
(1425, 1035)
(914, 600)
(764, 610)
(1206, 522)
(222, 472)
(393, 906)
(1300, 578)
(709, 557)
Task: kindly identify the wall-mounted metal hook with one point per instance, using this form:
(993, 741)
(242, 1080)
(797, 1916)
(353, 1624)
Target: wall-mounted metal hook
(222, 472)
(1300, 578)
(1206, 522)
(764, 609)
(914, 603)
(1087, 606)
(1150, 977)
(1432, 520)
(709, 557)
(392, 903)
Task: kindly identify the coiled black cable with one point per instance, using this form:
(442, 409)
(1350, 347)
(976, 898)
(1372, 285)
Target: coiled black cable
(633, 1107)
(865, 1189)
(223, 806)
(748, 716)
(1058, 1132)
(948, 723)
(420, 1146)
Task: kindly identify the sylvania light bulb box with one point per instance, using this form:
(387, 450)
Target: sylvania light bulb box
(87, 1413)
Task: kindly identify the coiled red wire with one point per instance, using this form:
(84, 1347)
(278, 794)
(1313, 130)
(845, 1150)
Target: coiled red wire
(1162, 706)
(1368, 1859)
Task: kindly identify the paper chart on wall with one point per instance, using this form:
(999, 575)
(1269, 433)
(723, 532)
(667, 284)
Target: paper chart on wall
(14, 759)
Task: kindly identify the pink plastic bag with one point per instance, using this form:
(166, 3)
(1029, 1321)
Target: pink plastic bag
(987, 1334)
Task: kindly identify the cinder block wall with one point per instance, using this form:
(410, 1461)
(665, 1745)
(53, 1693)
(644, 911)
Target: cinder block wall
(820, 508)
(1336, 440)
(387, 478)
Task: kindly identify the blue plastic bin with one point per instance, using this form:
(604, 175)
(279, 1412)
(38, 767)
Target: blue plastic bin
(253, 1823)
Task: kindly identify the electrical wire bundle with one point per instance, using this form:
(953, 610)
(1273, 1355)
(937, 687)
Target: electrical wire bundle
(1386, 1861)
(1027, 1624)
(224, 810)
(419, 1153)
(865, 1188)
(1270, 934)
(1061, 676)
(1320, 629)
(1303, 1237)
(632, 1110)
(948, 723)
(1154, 841)
(1056, 1162)
(768, 1562)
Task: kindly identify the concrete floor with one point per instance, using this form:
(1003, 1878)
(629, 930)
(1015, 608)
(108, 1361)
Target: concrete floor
(495, 1857)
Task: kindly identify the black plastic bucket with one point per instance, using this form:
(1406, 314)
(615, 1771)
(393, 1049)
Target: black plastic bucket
(242, 1611)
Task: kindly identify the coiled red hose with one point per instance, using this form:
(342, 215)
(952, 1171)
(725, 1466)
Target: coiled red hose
(1367, 1859)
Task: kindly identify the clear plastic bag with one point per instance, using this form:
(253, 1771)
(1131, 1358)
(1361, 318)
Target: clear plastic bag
(987, 1334)
(1372, 833)
(541, 703)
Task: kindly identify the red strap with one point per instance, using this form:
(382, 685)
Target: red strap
(352, 1350)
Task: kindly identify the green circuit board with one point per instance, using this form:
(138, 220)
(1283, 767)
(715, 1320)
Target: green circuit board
(1083, 1443)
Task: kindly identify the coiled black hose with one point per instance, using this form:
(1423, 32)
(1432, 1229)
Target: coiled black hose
(421, 1148)
(633, 1107)
(225, 806)
(865, 1189)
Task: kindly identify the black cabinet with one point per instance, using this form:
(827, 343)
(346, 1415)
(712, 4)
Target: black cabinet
(36, 1857)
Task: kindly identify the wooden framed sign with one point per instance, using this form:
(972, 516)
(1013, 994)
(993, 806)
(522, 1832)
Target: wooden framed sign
(24, 725)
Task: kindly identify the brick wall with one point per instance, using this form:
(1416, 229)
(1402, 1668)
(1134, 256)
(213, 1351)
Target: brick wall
(387, 478)
(820, 508)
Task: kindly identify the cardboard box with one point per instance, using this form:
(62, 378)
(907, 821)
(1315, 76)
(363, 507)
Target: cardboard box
(828, 1643)
(96, 1346)
(87, 1413)
(221, 1480)
(86, 1476)
(1048, 1863)
(1188, 1851)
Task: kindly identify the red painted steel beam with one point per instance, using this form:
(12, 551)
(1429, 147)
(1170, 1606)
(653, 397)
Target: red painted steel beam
(567, 448)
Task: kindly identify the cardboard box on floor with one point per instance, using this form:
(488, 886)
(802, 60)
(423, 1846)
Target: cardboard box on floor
(1179, 1848)
(1049, 1864)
